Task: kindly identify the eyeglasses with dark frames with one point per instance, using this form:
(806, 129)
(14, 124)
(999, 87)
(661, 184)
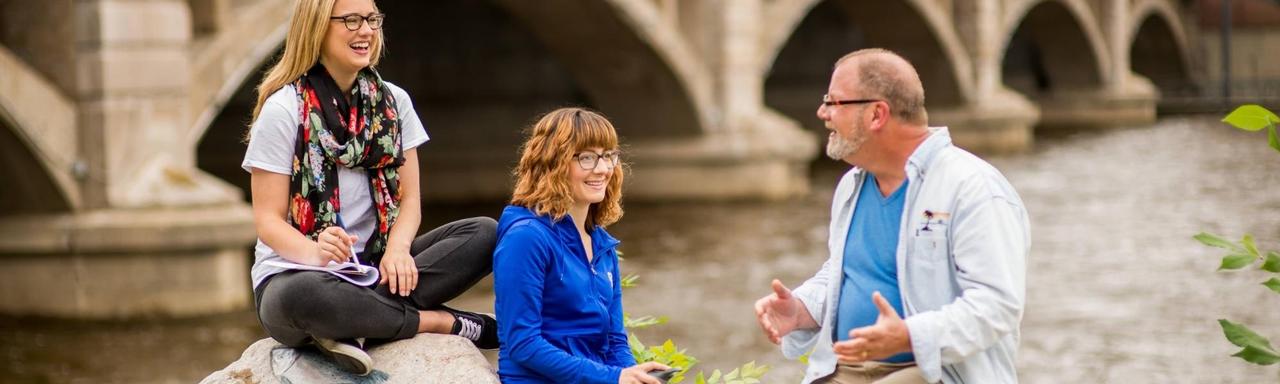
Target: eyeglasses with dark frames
(352, 21)
(828, 101)
(589, 160)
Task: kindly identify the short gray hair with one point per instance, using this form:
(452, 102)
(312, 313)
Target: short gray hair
(887, 75)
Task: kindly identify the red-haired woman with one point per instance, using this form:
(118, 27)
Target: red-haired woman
(555, 267)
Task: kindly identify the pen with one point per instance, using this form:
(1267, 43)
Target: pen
(344, 229)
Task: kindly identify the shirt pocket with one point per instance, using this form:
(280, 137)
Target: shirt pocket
(930, 248)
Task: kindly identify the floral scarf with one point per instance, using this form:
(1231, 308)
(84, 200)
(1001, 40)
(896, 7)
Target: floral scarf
(361, 133)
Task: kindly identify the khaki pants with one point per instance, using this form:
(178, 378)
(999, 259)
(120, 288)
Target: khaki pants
(875, 373)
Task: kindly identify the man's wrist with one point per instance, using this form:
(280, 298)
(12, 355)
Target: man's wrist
(804, 319)
(905, 334)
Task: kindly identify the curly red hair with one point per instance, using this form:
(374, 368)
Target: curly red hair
(542, 176)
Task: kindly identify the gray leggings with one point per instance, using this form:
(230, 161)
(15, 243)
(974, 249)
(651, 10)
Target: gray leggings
(296, 306)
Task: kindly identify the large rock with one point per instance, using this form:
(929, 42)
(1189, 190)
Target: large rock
(426, 358)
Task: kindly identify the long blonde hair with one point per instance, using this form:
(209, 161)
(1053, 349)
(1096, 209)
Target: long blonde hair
(542, 176)
(307, 28)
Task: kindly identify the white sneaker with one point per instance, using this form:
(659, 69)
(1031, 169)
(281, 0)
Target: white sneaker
(346, 356)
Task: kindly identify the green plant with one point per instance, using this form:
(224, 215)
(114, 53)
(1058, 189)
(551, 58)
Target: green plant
(1254, 118)
(1257, 349)
(667, 353)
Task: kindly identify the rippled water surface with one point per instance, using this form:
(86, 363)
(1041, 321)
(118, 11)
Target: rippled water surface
(1118, 292)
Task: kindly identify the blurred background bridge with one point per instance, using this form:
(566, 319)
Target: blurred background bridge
(121, 120)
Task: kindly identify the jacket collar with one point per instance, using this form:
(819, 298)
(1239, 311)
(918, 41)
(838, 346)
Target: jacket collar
(564, 230)
(920, 160)
(917, 164)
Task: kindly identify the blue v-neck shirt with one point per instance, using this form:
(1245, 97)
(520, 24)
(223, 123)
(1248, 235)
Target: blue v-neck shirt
(870, 264)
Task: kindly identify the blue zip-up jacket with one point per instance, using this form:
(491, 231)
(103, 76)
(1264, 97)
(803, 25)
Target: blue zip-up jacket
(560, 317)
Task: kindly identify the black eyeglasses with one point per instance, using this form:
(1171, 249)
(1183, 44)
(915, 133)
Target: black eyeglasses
(589, 160)
(353, 21)
(828, 101)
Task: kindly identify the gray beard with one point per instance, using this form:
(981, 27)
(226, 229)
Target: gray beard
(839, 148)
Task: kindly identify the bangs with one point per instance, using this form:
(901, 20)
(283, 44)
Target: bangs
(542, 175)
(593, 131)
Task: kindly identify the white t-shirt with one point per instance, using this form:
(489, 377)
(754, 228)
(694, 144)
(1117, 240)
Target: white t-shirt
(271, 144)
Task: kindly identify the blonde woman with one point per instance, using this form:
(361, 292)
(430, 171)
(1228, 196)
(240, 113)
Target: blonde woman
(333, 144)
(555, 267)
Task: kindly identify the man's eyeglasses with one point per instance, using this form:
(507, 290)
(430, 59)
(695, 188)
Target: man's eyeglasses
(828, 101)
(589, 160)
(353, 21)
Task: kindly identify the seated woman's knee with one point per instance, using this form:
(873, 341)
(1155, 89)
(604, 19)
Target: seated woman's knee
(296, 295)
(486, 228)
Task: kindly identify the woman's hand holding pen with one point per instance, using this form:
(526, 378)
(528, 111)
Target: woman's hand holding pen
(334, 244)
(398, 271)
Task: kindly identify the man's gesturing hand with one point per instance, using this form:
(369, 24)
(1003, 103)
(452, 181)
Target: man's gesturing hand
(779, 313)
(887, 337)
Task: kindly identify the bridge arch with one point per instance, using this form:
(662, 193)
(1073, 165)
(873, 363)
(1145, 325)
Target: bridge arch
(477, 83)
(31, 186)
(804, 38)
(1158, 47)
(618, 51)
(1053, 46)
(635, 67)
(224, 61)
(37, 142)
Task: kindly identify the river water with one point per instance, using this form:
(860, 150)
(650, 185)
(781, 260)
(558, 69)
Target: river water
(1117, 290)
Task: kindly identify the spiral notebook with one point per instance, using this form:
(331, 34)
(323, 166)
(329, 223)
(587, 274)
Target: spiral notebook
(351, 271)
(358, 274)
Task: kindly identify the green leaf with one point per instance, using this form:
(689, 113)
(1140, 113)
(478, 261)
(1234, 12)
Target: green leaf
(1258, 356)
(1242, 336)
(1236, 261)
(630, 280)
(641, 322)
(1273, 283)
(1272, 262)
(637, 347)
(1251, 117)
(668, 347)
(749, 373)
(1213, 240)
(678, 377)
(1272, 139)
(1250, 246)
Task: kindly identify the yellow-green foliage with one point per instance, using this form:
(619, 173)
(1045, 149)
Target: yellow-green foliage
(672, 356)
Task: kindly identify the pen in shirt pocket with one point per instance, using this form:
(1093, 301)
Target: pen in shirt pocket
(344, 229)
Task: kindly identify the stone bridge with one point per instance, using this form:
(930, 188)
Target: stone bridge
(121, 120)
